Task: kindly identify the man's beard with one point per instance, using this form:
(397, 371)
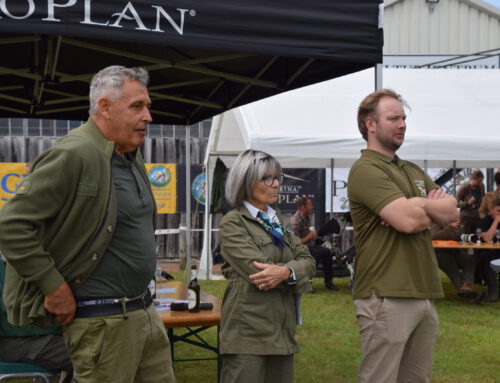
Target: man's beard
(388, 143)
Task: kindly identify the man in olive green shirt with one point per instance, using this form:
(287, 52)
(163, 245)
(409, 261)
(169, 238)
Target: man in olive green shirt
(79, 240)
(393, 202)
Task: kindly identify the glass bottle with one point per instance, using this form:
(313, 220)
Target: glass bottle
(193, 292)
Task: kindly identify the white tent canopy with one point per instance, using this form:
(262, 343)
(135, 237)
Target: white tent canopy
(453, 122)
(453, 116)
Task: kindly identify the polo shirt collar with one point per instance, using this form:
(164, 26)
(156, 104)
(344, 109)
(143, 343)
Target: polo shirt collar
(369, 153)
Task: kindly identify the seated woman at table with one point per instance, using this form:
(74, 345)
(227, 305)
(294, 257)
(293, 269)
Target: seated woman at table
(455, 263)
(489, 225)
(267, 268)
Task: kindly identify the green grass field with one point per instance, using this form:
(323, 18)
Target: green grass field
(468, 348)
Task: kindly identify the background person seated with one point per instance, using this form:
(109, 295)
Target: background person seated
(301, 222)
(31, 344)
(489, 225)
(490, 196)
(455, 263)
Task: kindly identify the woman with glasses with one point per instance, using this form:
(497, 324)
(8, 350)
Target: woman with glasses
(267, 269)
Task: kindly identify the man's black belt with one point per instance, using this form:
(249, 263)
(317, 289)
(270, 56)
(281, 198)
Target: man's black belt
(96, 307)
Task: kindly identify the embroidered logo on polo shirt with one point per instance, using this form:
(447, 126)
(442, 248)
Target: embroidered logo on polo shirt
(421, 187)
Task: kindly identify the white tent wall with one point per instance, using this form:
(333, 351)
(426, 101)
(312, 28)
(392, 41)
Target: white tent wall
(453, 116)
(452, 121)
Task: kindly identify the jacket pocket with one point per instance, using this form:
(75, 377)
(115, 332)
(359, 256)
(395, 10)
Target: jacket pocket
(258, 316)
(262, 240)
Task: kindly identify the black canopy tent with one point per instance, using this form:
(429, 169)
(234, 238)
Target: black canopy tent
(204, 57)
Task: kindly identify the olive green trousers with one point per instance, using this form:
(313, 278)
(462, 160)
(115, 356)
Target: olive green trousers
(118, 350)
(257, 369)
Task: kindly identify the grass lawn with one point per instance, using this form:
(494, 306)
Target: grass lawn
(468, 348)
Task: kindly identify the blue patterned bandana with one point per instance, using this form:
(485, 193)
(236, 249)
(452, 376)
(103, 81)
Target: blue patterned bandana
(274, 228)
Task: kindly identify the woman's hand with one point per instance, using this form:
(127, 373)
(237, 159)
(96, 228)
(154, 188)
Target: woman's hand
(270, 276)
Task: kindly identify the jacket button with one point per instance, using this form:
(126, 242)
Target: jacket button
(78, 280)
(95, 256)
(109, 228)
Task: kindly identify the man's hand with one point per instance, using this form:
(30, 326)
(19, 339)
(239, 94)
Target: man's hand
(437, 194)
(443, 211)
(61, 303)
(270, 276)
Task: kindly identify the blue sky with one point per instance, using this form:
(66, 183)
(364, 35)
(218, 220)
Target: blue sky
(496, 3)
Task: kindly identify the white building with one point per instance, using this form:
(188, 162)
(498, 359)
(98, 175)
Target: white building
(419, 32)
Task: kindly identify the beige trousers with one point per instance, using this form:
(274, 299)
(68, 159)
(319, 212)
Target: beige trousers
(397, 339)
(257, 369)
(117, 350)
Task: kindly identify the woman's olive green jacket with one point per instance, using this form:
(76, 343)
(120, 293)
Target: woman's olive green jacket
(253, 321)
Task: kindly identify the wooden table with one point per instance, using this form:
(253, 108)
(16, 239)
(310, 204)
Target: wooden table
(194, 323)
(460, 245)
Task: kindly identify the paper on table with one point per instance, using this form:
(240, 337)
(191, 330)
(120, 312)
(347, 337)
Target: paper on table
(166, 290)
(170, 300)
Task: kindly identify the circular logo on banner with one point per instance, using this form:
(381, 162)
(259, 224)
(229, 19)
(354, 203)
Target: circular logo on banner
(160, 176)
(198, 188)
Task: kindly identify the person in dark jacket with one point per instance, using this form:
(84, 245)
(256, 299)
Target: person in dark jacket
(489, 225)
(457, 264)
(469, 197)
(267, 268)
(30, 344)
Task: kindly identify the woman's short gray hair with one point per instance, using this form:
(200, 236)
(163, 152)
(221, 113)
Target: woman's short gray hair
(248, 169)
(108, 83)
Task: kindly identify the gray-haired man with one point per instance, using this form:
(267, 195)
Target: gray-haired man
(79, 239)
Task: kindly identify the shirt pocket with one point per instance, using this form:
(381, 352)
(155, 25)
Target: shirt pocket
(262, 240)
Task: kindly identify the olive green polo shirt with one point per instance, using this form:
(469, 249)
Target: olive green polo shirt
(129, 262)
(389, 263)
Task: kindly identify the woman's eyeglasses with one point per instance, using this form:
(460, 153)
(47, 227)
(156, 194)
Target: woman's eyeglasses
(269, 180)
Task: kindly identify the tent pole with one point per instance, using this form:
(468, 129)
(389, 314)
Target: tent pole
(454, 177)
(208, 217)
(332, 186)
(378, 76)
(188, 200)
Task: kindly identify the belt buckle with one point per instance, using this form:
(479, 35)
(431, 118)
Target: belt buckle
(123, 302)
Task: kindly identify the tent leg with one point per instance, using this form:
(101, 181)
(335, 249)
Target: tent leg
(378, 76)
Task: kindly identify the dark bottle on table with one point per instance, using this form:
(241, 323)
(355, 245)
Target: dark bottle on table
(193, 292)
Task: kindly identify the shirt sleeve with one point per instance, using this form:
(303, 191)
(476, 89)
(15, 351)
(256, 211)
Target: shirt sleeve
(372, 187)
(485, 223)
(39, 198)
(429, 183)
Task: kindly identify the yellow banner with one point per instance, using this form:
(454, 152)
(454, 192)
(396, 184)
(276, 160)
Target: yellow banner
(161, 176)
(11, 173)
(164, 184)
